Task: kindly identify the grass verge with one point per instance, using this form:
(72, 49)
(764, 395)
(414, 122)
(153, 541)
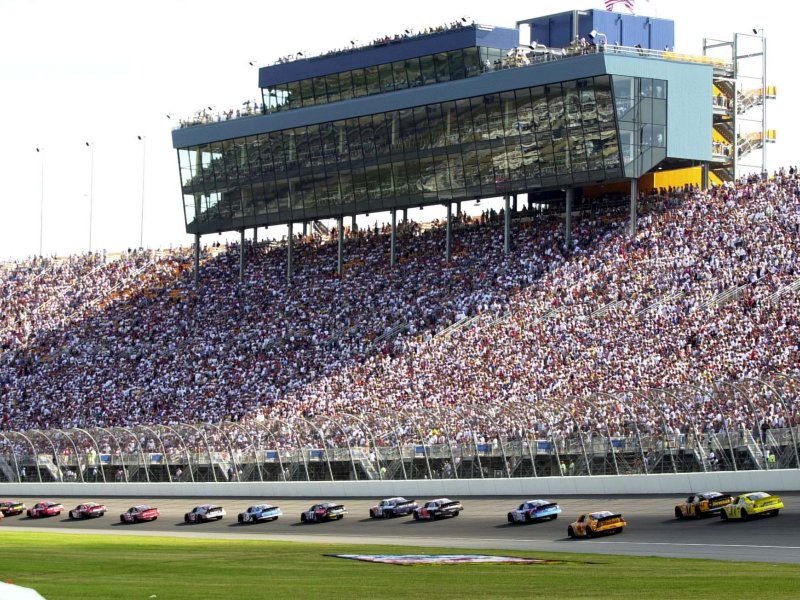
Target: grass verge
(80, 567)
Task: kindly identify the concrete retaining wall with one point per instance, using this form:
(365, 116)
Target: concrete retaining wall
(614, 485)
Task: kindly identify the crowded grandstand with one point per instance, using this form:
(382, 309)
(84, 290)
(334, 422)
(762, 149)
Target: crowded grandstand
(686, 330)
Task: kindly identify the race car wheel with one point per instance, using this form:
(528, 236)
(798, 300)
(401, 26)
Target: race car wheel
(303, 518)
(121, 519)
(510, 518)
(554, 517)
(570, 532)
(339, 517)
(455, 514)
(72, 515)
(775, 512)
(528, 518)
(618, 530)
(240, 518)
(724, 515)
(589, 532)
(678, 513)
(186, 518)
(744, 515)
(416, 516)
(387, 514)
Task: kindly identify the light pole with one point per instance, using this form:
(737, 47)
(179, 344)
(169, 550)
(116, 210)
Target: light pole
(90, 145)
(40, 151)
(143, 139)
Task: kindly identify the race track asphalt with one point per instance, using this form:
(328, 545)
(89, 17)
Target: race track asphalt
(652, 529)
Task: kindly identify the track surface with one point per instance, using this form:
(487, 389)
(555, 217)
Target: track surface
(652, 530)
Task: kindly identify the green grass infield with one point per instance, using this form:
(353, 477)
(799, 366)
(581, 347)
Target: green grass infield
(82, 567)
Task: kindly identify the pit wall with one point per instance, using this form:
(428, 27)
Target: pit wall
(783, 480)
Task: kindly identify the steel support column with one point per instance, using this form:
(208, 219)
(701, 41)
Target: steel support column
(340, 250)
(632, 225)
(568, 218)
(448, 241)
(241, 256)
(196, 258)
(393, 240)
(507, 224)
(704, 175)
(289, 245)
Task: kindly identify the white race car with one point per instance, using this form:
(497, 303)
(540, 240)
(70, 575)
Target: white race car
(393, 507)
(204, 512)
(534, 510)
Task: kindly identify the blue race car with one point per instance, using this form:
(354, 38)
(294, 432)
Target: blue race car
(534, 510)
(259, 513)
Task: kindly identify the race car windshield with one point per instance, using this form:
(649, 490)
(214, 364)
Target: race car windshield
(757, 496)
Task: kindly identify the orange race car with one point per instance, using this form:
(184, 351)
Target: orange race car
(596, 523)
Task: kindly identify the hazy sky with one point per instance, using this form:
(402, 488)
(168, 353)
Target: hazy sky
(106, 72)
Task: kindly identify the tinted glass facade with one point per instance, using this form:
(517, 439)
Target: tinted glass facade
(531, 138)
(388, 77)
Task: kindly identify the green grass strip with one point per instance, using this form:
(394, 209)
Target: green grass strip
(81, 567)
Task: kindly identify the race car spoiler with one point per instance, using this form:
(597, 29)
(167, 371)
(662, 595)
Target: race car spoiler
(546, 506)
(405, 503)
(608, 518)
(718, 500)
(337, 507)
(452, 504)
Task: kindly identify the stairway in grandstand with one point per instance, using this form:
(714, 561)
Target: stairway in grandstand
(6, 471)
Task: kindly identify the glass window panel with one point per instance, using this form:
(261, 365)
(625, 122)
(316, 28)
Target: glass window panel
(373, 82)
(399, 179)
(442, 67)
(540, 115)
(399, 73)
(382, 134)
(472, 63)
(359, 83)
(436, 126)
(646, 85)
(332, 85)
(624, 86)
(367, 136)
(660, 112)
(659, 88)
(494, 116)
(480, 123)
(346, 85)
(413, 72)
(421, 129)
(354, 140)
(387, 79)
(307, 92)
(456, 60)
(293, 98)
(320, 93)
(428, 71)
(659, 136)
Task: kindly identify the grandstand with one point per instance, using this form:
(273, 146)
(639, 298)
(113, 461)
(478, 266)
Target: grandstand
(505, 345)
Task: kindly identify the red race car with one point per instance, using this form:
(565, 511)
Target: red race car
(88, 510)
(137, 514)
(45, 508)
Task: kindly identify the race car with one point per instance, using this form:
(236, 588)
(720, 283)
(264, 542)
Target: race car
(534, 510)
(438, 508)
(260, 512)
(45, 509)
(745, 506)
(393, 507)
(204, 513)
(87, 510)
(698, 505)
(9, 508)
(596, 523)
(325, 511)
(139, 513)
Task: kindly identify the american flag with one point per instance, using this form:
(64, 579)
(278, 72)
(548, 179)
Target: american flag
(626, 3)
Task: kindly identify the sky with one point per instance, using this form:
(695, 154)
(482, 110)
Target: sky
(107, 73)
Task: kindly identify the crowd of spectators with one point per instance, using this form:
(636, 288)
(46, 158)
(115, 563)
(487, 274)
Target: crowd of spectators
(611, 336)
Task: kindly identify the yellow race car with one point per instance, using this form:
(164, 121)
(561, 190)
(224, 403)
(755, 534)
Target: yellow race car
(596, 523)
(698, 505)
(748, 505)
